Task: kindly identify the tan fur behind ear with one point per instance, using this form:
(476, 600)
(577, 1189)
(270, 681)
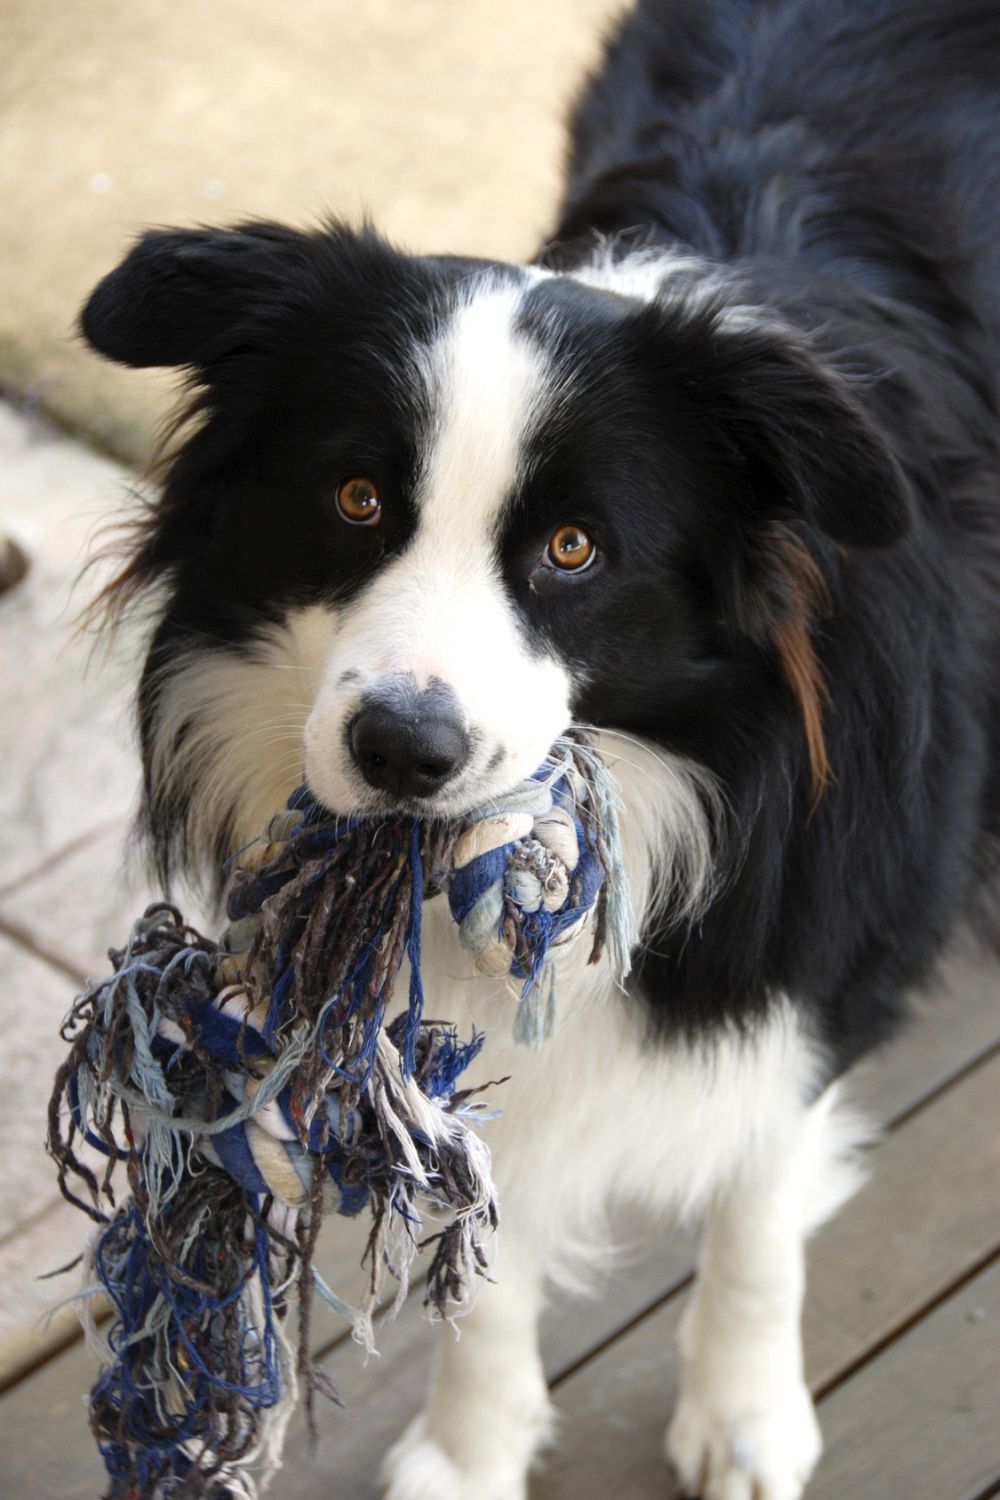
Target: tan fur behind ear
(808, 599)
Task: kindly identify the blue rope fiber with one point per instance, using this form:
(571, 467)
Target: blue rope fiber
(195, 1055)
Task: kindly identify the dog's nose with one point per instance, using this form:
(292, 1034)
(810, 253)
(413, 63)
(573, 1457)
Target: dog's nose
(409, 751)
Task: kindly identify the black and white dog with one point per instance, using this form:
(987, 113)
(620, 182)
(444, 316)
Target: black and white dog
(717, 475)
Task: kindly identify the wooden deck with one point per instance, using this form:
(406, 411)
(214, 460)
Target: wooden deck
(902, 1325)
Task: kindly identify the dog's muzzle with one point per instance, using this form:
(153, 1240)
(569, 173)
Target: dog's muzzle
(407, 742)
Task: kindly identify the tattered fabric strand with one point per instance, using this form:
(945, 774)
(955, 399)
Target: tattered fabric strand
(247, 1085)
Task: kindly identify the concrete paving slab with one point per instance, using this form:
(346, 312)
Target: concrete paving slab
(84, 903)
(441, 118)
(65, 738)
(67, 776)
(34, 1000)
(39, 1231)
(34, 1317)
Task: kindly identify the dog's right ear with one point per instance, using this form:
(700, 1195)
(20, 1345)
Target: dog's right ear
(189, 296)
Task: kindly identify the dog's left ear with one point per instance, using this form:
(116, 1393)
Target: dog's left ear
(190, 296)
(810, 450)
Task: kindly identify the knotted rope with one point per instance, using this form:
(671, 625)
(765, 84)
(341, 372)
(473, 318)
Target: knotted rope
(244, 1086)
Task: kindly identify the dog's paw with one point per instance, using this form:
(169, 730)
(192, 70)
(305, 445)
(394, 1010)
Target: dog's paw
(724, 1452)
(418, 1468)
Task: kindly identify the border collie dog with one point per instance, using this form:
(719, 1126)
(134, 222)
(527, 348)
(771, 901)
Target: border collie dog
(717, 475)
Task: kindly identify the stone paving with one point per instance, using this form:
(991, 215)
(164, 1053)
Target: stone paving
(67, 790)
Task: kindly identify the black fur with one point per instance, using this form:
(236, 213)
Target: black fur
(837, 163)
(839, 159)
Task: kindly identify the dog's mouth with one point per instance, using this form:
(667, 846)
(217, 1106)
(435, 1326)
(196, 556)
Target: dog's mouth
(468, 794)
(395, 744)
(486, 781)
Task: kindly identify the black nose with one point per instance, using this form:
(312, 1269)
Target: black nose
(410, 751)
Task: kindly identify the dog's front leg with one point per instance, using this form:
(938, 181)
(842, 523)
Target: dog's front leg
(488, 1410)
(744, 1427)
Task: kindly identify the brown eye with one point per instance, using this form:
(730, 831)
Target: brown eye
(358, 502)
(570, 549)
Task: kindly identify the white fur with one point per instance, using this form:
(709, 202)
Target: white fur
(744, 1427)
(652, 273)
(673, 817)
(488, 389)
(483, 1440)
(645, 273)
(230, 724)
(597, 1117)
(439, 610)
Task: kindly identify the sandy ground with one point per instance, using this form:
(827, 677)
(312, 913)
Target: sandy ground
(442, 119)
(67, 787)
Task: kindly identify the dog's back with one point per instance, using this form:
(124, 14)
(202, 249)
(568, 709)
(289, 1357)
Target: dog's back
(847, 137)
(839, 162)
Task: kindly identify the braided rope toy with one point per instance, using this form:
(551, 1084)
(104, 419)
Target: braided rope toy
(244, 1086)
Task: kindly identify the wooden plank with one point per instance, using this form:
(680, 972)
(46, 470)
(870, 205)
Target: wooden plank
(573, 1326)
(382, 1396)
(922, 1421)
(570, 1325)
(922, 1222)
(923, 1218)
(952, 1024)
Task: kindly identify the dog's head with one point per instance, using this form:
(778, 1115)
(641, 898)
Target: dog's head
(432, 510)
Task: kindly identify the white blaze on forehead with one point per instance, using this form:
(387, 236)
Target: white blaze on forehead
(487, 388)
(439, 610)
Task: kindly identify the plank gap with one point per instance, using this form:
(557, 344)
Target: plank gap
(650, 1310)
(989, 1492)
(942, 1295)
(31, 1365)
(26, 938)
(904, 1116)
(383, 1315)
(50, 861)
